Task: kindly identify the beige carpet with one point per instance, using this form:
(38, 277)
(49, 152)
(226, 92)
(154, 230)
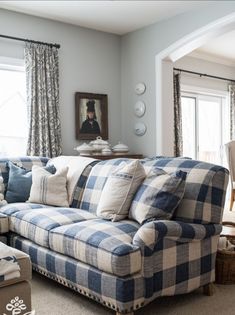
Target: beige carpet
(50, 298)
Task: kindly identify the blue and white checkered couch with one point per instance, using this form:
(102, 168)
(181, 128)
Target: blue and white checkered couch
(121, 264)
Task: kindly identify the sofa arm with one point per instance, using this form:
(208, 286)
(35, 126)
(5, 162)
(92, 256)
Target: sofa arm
(151, 233)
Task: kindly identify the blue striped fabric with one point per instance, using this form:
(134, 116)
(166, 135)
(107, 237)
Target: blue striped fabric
(205, 188)
(81, 184)
(103, 244)
(120, 264)
(36, 224)
(149, 234)
(173, 269)
(12, 208)
(117, 293)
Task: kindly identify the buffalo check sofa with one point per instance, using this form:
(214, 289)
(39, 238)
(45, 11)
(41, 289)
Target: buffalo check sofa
(123, 265)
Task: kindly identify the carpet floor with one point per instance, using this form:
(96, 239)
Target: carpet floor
(51, 298)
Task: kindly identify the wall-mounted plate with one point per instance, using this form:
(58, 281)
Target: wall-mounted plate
(140, 129)
(140, 88)
(139, 108)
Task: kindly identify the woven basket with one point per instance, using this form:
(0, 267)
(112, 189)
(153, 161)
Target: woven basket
(225, 261)
(225, 267)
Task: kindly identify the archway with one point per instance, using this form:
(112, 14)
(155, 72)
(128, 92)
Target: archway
(164, 77)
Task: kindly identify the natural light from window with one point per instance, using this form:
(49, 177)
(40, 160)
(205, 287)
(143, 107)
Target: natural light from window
(13, 113)
(205, 124)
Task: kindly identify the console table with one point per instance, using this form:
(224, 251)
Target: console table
(101, 156)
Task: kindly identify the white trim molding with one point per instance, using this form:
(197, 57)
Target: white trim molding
(7, 63)
(201, 90)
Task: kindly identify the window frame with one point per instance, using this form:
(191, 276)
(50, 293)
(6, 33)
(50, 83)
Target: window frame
(12, 64)
(15, 65)
(199, 93)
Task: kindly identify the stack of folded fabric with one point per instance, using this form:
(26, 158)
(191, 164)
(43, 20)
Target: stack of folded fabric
(9, 267)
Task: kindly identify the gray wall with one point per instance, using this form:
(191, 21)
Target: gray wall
(99, 62)
(89, 62)
(138, 53)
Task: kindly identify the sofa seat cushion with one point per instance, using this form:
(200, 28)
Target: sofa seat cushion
(103, 244)
(36, 224)
(12, 208)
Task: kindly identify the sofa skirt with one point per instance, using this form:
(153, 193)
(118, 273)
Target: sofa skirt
(122, 294)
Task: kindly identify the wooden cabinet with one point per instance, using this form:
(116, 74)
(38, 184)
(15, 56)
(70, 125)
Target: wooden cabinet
(100, 156)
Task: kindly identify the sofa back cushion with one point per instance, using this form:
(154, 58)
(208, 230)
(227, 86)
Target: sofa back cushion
(205, 189)
(76, 166)
(81, 185)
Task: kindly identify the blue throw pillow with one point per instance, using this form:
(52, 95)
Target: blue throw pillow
(20, 182)
(158, 196)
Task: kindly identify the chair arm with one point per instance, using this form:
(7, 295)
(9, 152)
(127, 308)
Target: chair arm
(151, 233)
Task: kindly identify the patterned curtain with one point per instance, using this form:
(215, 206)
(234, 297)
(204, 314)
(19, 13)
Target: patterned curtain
(231, 89)
(42, 79)
(178, 143)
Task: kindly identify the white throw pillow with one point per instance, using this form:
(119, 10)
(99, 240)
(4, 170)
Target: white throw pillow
(49, 189)
(119, 190)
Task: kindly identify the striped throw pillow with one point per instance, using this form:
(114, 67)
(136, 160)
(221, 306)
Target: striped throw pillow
(49, 189)
(119, 190)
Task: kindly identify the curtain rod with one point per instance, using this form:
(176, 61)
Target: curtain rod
(29, 41)
(204, 75)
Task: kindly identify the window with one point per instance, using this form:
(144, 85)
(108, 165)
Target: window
(205, 122)
(13, 110)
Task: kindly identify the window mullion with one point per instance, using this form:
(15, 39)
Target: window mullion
(196, 122)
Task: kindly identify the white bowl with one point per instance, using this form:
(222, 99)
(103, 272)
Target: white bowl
(84, 149)
(120, 147)
(99, 144)
(106, 151)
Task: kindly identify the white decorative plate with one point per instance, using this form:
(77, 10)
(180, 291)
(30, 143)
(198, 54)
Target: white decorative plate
(140, 108)
(140, 88)
(140, 129)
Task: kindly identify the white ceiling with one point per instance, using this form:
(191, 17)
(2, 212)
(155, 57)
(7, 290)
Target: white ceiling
(118, 17)
(220, 49)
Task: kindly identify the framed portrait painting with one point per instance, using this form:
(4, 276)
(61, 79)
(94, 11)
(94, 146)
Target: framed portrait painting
(91, 116)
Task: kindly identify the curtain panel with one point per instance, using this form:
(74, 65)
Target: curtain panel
(178, 138)
(42, 82)
(231, 88)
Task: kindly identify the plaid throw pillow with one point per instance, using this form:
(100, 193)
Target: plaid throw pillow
(158, 196)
